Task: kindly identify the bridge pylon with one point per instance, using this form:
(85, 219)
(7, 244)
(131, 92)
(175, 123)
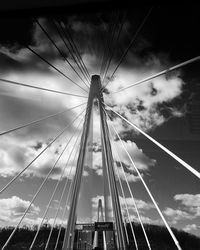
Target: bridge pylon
(95, 94)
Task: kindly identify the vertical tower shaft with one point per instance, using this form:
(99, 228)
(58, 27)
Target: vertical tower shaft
(109, 171)
(95, 93)
(69, 233)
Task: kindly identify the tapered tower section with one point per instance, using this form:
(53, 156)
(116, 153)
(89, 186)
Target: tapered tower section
(108, 171)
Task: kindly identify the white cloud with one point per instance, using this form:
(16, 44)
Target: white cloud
(142, 161)
(191, 228)
(140, 104)
(146, 220)
(188, 210)
(130, 176)
(141, 205)
(11, 209)
(177, 215)
(15, 157)
(191, 202)
(19, 105)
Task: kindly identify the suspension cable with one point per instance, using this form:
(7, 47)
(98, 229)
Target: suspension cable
(77, 178)
(57, 184)
(130, 44)
(159, 74)
(30, 204)
(133, 199)
(114, 48)
(78, 53)
(111, 176)
(123, 195)
(63, 192)
(134, 202)
(183, 163)
(149, 193)
(71, 51)
(39, 120)
(111, 33)
(68, 195)
(40, 88)
(48, 145)
(63, 215)
(51, 65)
(59, 51)
(105, 42)
(71, 41)
(122, 191)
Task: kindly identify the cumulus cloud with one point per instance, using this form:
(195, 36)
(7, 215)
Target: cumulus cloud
(130, 174)
(141, 104)
(188, 209)
(177, 215)
(15, 157)
(19, 105)
(141, 160)
(191, 228)
(11, 209)
(191, 202)
(141, 205)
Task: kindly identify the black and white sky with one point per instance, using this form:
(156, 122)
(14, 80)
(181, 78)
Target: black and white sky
(161, 107)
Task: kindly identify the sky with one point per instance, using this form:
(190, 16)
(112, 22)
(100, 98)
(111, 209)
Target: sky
(160, 107)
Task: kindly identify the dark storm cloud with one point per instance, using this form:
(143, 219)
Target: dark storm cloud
(163, 34)
(10, 61)
(15, 32)
(170, 28)
(15, 56)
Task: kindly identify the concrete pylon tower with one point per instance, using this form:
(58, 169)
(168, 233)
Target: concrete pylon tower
(95, 94)
(100, 218)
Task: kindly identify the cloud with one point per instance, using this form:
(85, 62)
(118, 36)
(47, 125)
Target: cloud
(19, 105)
(191, 202)
(176, 215)
(191, 228)
(11, 209)
(15, 157)
(188, 210)
(142, 161)
(143, 209)
(130, 174)
(141, 104)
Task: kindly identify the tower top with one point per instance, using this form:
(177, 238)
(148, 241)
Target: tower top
(95, 85)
